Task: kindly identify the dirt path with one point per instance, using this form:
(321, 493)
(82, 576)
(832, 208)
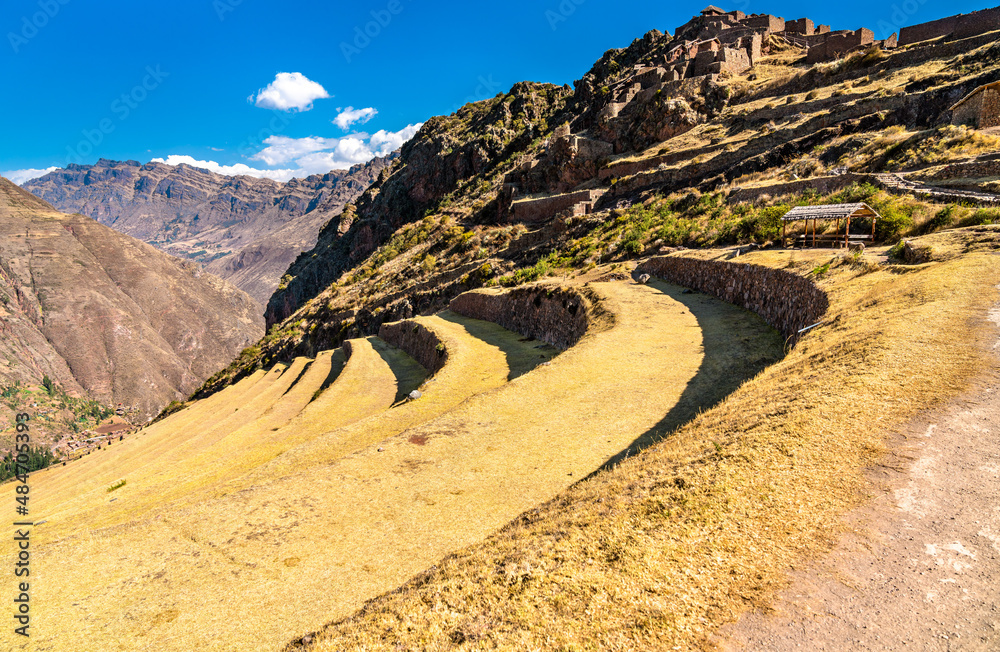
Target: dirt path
(920, 569)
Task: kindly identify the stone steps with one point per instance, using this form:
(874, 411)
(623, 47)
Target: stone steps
(898, 184)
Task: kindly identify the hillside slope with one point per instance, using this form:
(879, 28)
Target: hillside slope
(281, 480)
(244, 229)
(631, 162)
(104, 314)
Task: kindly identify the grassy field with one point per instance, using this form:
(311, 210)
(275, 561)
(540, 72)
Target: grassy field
(277, 543)
(661, 550)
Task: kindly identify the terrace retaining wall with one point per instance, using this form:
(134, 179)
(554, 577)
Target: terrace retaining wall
(418, 341)
(786, 301)
(556, 316)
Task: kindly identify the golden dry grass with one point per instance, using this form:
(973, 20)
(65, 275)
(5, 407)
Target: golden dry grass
(355, 511)
(663, 549)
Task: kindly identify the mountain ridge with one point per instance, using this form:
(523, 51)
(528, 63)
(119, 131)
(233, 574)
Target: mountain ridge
(241, 228)
(106, 315)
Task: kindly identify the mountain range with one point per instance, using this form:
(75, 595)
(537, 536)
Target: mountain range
(107, 316)
(244, 229)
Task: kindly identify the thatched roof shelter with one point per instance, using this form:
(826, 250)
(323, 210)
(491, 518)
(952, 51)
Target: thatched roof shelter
(826, 212)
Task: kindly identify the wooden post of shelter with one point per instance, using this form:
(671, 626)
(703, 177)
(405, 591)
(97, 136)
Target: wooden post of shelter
(831, 212)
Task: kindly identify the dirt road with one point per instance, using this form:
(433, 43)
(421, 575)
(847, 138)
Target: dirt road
(920, 569)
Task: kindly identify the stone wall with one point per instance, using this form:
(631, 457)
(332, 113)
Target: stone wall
(959, 26)
(990, 116)
(977, 22)
(786, 301)
(557, 316)
(927, 31)
(836, 44)
(418, 341)
(544, 208)
(766, 22)
(821, 184)
(802, 26)
(970, 170)
(980, 111)
(968, 112)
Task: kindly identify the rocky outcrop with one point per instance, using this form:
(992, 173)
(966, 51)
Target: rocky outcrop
(105, 314)
(447, 151)
(786, 301)
(244, 229)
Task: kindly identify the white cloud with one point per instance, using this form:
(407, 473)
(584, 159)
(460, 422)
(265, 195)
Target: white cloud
(227, 170)
(282, 149)
(23, 176)
(288, 91)
(312, 155)
(350, 116)
(386, 142)
(315, 155)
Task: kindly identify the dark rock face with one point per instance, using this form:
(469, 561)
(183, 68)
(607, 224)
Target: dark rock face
(102, 313)
(447, 151)
(243, 229)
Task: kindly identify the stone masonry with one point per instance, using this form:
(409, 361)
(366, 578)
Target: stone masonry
(980, 110)
(557, 316)
(544, 208)
(959, 26)
(786, 301)
(834, 45)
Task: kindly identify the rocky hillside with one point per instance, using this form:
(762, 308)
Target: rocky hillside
(103, 315)
(655, 147)
(244, 229)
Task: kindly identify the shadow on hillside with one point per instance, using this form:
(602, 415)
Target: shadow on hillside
(737, 348)
(523, 354)
(409, 373)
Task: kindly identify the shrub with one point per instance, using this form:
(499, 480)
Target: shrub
(984, 216)
(38, 458)
(943, 218)
(894, 221)
(897, 250)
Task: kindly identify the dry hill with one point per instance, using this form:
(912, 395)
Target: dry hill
(103, 314)
(474, 423)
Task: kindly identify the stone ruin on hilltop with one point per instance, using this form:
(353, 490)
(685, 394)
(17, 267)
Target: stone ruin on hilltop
(662, 86)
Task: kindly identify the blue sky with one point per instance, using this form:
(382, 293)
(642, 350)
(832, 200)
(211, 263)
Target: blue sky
(214, 80)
